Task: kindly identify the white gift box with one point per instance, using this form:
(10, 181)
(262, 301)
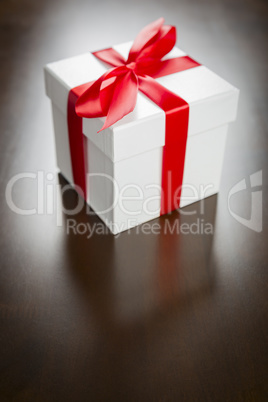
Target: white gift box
(124, 161)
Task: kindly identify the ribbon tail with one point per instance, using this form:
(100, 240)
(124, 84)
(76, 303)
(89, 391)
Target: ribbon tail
(88, 103)
(120, 98)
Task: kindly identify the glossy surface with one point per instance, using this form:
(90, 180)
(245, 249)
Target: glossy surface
(149, 315)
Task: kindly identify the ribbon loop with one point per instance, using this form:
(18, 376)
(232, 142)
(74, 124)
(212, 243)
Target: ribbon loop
(158, 47)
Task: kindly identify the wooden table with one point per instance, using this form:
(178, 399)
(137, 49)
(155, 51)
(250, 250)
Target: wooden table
(144, 316)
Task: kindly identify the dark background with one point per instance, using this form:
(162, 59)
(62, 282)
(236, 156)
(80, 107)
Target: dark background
(139, 317)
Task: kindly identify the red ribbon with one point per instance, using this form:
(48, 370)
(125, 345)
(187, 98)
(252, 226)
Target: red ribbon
(114, 95)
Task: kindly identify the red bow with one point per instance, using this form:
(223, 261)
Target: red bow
(114, 94)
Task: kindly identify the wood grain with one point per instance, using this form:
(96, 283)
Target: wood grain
(144, 316)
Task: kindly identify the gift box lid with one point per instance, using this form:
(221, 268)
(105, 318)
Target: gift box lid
(213, 102)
